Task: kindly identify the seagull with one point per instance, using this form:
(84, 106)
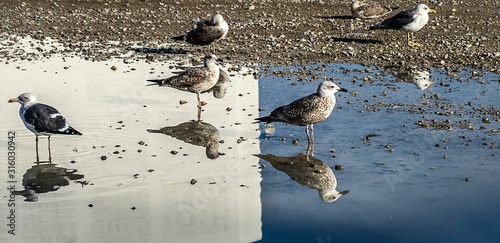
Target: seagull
(194, 80)
(205, 32)
(308, 110)
(361, 10)
(411, 20)
(42, 119)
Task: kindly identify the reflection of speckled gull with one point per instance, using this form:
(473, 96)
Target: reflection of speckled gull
(42, 119)
(409, 20)
(197, 133)
(308, 171)
(194, 80)
(205, 31)
(368, 10)
(308, 110)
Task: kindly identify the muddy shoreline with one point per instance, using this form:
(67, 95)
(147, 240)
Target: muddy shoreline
(262, 32)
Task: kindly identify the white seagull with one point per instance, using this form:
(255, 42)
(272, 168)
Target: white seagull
(41, 119)
(205, 32)
(308, 110)
(411, 20)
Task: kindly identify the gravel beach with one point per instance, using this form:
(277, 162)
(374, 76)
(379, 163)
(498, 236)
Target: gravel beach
(264, 32)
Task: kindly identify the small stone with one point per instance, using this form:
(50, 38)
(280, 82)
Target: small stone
(174, 152)
(467, 179)
(339, 167)
(114, 68)
(182, 102)
(141, 143)
(104, 157)
(193, 181)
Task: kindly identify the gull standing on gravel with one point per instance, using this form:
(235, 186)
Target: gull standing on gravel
(308, 110)
(361, 10)
(205, 32)
(42, 119)
(411, 20)
(194, 80)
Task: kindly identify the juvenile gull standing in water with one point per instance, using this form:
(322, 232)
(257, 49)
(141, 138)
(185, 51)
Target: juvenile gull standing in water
(205, 32)
(308, 110)
(194, 80)
(368, 10)
(42, 119)
(409, 20)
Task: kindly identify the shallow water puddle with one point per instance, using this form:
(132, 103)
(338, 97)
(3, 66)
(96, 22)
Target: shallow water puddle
(420, 162)
(119, 182)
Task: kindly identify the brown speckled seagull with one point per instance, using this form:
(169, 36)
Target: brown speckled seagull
(308, 110)
(205, 32)
(194, 80)
(361, 10)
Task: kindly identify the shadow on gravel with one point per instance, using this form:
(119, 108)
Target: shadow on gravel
(361, 41)
(336, 17)
(160, 50)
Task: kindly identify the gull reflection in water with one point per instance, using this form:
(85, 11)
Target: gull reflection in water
(420, 77)
(45, 177)
(197, 133)
(219, 89)
(308, 171)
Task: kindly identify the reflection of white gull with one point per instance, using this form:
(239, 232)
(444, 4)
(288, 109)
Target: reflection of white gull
(197, 133)
(409, 20)
(43, 178)
(205, 31)
(368, 10)
(421, 79)
(308, 171)
(194, 80)
(42, 119)
(308, 110)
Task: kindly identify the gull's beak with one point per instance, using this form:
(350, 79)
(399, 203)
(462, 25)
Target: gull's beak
(342, 90)
(12, 100)
(432, 11)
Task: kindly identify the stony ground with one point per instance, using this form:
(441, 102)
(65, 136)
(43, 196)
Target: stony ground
(279, 32)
